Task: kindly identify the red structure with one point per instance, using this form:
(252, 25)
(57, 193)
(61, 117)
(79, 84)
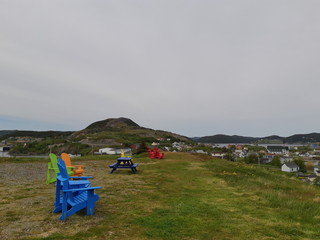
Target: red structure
(155, 153)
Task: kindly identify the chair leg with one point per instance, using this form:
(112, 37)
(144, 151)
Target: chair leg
(64, 207)
(49, 179)
(90, 203)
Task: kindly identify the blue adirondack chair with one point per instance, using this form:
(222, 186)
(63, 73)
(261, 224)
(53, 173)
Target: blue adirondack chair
(82, 182)
(71, 199)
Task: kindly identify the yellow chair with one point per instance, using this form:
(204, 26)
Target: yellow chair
(124, 155)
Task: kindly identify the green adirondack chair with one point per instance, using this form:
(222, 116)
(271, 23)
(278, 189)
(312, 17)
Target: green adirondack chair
(53, 169)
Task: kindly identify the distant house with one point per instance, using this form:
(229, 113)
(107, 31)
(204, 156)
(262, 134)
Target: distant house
(265, 160)
(289, 167)
(316, 170)
(239, 147)
(314, 145)
(312, 177)
(252, 153)
(269, 156)
(304, 154)
(178, 145)
(240, 153)
(135, 146)
(4, 149)
(278, 149)
(200, 151)
(109, 151)
(218, 154)
(114, 151)
(284, 159)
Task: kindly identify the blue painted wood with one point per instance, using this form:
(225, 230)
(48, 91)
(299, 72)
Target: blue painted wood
(72, 197)
(124, 158)
(73, 185)
(124, 162)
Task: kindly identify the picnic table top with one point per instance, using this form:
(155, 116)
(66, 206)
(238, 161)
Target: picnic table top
(124, 159)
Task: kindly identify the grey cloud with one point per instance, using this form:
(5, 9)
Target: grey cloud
(193, 67)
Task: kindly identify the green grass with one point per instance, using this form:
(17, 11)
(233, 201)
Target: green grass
(183, 196)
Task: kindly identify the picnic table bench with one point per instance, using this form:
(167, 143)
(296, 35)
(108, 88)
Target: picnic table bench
(124, 162)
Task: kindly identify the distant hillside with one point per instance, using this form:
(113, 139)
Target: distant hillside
(35, 134)
(6, 132)
(221, 138)
(297, 138)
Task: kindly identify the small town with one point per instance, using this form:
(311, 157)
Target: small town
(301, 159)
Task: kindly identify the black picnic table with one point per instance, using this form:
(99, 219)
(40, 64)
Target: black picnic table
(124, 162)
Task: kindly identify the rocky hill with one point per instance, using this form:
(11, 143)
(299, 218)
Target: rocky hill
(111, 123)
(121, 131)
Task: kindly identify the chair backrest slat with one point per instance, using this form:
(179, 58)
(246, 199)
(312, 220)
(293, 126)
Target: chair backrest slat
(63, 169)
(66, 158)
(54, 162)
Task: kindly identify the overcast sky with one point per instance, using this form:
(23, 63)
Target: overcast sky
(196, 68)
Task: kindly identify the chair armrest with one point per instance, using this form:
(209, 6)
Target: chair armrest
(83, 177)
(78, 166)
(81, 189)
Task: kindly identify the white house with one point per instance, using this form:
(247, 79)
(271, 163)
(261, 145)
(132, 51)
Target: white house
(316, 170)
(277, 149)
(289, 167)
(110, 151)
(114, 151)
(240, 153)
(218, 154)
(4, 148)
(285, 159)
(200, 151)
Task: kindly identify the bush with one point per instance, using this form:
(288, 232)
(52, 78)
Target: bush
(252, 158)
(276, 161)
(299, 161)
(142, 148)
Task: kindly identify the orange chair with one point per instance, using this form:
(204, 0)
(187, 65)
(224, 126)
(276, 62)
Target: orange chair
(77, 169)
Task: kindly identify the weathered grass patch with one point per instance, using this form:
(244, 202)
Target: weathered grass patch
(183, 196)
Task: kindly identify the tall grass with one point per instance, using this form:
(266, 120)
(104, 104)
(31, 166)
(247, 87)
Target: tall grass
(183, 196)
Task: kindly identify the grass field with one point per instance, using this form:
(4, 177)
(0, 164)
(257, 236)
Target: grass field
(183, 196)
